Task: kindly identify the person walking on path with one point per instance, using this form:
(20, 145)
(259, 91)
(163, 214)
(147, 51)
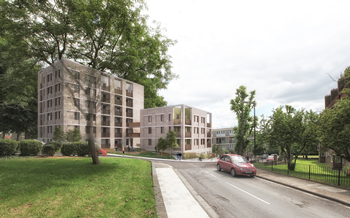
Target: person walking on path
(116, 148)
(123, 151)
(212, 156)
(155, 148)
(132, 148)
(128, 148)
(218, 157)
(180, 155)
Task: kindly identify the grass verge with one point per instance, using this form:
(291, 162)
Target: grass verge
(141, 153)
(73, 187)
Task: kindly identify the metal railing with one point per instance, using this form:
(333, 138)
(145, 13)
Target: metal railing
(106, 88)
(118, 91)
(135, 124)
(105, 123)
(177, 121)
(208, 124)
(118, 102)
(117, 134)
(129, 104)
(187, 134)
(209, 134)
(178, 134)
(118, 113)
(187, 147)
(188, 122)
(208, 144)
(129, 94)
(133, 134)
(105, 100)
(129, 114)
(105, 134)
(105, 111)
(118, 124)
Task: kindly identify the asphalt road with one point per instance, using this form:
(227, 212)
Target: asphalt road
(252, 197)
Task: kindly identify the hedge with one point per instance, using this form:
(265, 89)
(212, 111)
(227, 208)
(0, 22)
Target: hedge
(8, 147)
(83, 149)
(48, 150)
(56, 145)
(77, 148)
(68, 149)
(30, 147)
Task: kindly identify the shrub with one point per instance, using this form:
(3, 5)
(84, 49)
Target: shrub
(48, 150)
(68, 149)
(56, 145)
(189, 155)
(7, 147)
(30, 147)
(82, 148)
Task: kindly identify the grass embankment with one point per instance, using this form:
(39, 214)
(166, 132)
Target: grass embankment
(73, 187)
(141, 153)
(311, 169)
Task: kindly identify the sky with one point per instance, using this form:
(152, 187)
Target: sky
(282, 49)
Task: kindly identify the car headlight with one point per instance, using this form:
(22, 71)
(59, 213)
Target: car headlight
(253, 165)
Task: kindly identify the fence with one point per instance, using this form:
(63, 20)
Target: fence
(327, 175)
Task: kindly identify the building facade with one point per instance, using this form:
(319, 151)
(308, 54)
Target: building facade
(225, 138)
(100, 105)
(192, 127)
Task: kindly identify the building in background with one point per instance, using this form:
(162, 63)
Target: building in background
(192, 127)
(225, 138)
(100, 105)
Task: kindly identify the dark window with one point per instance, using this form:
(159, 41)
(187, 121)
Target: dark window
(76, 115)
(161, 117)
(149, 118)
(149, 141)
(161, 129)
(149, 130)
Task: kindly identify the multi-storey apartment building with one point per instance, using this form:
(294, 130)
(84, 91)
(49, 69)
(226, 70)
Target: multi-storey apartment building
(100, 105)
(192, 127)
(224, 137)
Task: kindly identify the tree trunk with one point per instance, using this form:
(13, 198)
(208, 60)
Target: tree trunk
(3, 135)
(18, 135)
(94, 156)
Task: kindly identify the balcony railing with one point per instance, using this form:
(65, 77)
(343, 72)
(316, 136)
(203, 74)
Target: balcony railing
(177, 121)
(104, 99)
(129, 114)
(118, 124)
(178, 134)
(106, 88)
(105, 111)
(187, 134)
(104, 146)
(117, 134)
(129, 104)
(187, 147)
(188, 122)
(118, 102)
(208, 145)
(133, 134)
(208, 124)
(117, 91)
(118, 113)
(136, 124)
(105, 134)
(208, 134)
(129, 94)
(105, 123)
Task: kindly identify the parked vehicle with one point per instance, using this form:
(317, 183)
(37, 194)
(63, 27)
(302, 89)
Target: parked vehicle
(264, 156)
(236, 164)
(270, 158)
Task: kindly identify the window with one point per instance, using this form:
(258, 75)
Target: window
(76, 88)
(87, 129)
(55, 115)
(76, 102)
(48, 78)
(94, 117)
(149, 141)
(48, 91)
(48, 129)
(59, 101)
(87, 91)
(76, 74)
(76, 115)
(94, 129)
(87, 117)
(161, 117)
(169, 117)
(149, 118)
(169, 128)
(87, 104)
(149, 130)
(177, 116)
(55, 101)
(59, 114)
(76, 127)
(161, 129)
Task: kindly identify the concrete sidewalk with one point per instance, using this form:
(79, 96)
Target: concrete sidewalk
(334, 193)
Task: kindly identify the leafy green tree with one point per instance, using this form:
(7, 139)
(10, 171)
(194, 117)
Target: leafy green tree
(217, 149)
(245, 121)
(58, 135)
(162, 144)
(73, 135)
(171, 140)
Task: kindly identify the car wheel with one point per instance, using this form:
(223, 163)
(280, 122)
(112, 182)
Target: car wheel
(233, 172)
(218, 167)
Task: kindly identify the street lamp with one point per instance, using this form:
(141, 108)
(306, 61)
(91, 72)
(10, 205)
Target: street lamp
(254, 123)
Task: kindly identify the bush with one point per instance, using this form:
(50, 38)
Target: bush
(7, 147)
(82, 149)
(68, 149)
(189, 155)
(48, 150)
(56, 145)
(30, 147)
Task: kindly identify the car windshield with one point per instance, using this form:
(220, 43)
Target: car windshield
(238, 159)
(271, 157)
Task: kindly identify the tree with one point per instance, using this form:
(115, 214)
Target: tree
(217, 149)
(58, 135)
(171, 140)
(162, 144)
(245, 121)
(290, 131)
(73, 135)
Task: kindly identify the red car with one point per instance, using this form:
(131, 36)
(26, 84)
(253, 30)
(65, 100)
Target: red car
(236, 164)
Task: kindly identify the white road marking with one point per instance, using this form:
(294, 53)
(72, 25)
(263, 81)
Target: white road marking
(165, 164)
(248, 193)
(212, 175)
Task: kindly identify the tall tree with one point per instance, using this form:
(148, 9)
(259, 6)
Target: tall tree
(58, 135)
(245, 122)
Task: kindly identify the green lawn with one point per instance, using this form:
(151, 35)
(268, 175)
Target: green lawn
(311, 169)
(142, 153)
(73, 187)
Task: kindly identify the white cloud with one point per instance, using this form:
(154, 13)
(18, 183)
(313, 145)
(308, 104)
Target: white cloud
(282, 50)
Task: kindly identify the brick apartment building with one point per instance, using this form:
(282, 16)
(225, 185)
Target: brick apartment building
(100, 105)
(192, 127)
(225, 138)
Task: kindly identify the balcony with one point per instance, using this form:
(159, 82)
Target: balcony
(136, 124)
(208, 134)
(106, 88)
(129, 104)
(118, 91)
(105, 123)
(133, 134)
(129, 114)
(117, 134)
(177, 121)
(208, 124)
(208, 145)
(187, 147)
(187, 134)
(104, 146)
(118, 124)
(105, 111)
(118, 113)
(187, 122)
(105, 99)
(129, 94)
(118, 102)
(178, 134)
(105, 134)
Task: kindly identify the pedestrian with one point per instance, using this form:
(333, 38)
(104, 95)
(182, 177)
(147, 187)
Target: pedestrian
(218, 157)
(155, 148)
(177, 155)
(116, 148)
(180, 155)
(123, 150)
(200, 158)
(128, 148)
(132, 148)
(212, 156)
